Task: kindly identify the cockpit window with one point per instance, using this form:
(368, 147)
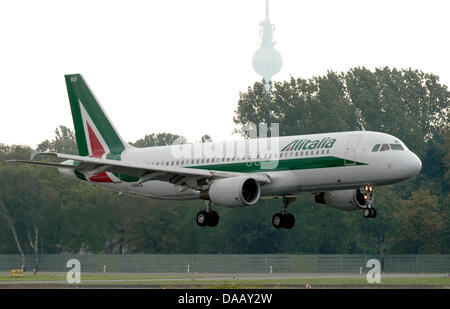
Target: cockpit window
(396, 147)
(375, 148)
(384, 147)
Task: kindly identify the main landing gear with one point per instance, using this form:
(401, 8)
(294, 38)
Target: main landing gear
(369, 212)
(284, 219)
(208, 217)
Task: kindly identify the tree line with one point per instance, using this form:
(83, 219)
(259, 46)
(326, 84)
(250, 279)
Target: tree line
(42, 212)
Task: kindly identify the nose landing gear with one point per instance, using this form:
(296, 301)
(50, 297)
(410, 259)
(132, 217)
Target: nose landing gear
(367, 193)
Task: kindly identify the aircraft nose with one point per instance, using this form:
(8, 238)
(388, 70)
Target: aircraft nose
(414, 165)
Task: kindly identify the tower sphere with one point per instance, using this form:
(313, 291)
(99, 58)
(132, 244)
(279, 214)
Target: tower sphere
(267, 62)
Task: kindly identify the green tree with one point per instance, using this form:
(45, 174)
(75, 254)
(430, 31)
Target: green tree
(206, 139)
(159, 139)
(446, 157)
(6, 153)
(14, 152)
(299, 106)
(64, 142)
(420, 221)
(26, 196)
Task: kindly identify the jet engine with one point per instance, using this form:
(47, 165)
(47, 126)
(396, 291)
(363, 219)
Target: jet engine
(233, 191)
(355, 199)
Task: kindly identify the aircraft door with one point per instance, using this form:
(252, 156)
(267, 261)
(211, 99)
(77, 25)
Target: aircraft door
(350, 150)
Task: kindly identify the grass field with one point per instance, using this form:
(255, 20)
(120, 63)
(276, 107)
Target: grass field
(224, 281)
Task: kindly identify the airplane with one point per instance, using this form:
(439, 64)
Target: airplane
(340, 169)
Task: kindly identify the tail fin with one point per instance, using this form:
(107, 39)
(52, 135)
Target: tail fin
(95, 134)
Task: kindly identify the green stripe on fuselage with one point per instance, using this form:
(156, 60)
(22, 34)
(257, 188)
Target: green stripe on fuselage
(283, 165)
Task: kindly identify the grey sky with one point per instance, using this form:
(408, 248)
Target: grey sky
(178, 66)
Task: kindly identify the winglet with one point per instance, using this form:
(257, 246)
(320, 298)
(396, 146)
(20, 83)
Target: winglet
(33, 154)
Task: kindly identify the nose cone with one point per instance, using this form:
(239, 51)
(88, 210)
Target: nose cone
(413, 165)
(418, 165)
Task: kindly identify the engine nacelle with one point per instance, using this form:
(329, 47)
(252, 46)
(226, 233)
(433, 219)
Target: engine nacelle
(347, 199)
(233, 192)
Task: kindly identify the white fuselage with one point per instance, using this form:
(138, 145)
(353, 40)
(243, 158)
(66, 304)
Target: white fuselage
(349, 163)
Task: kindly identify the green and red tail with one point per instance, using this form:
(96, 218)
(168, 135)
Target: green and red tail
(95, 134)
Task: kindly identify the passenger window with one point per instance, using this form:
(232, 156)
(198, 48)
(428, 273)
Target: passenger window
(396, 147)
(375, 148)
(384, 147)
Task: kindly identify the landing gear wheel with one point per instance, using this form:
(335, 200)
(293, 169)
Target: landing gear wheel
(369, 212)
(289, 221)
(202, 218)
(208, 217)
(280, 220)
(212, 218)
(366, 212)
(277, 220)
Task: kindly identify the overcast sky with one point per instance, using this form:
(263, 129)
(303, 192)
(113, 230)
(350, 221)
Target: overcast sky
(178, 66)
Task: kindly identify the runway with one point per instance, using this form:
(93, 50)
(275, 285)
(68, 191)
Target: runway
(218, 280)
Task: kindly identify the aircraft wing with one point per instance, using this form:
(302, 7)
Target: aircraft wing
(181, 176)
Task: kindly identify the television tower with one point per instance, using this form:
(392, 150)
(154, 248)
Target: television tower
(267, 60)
